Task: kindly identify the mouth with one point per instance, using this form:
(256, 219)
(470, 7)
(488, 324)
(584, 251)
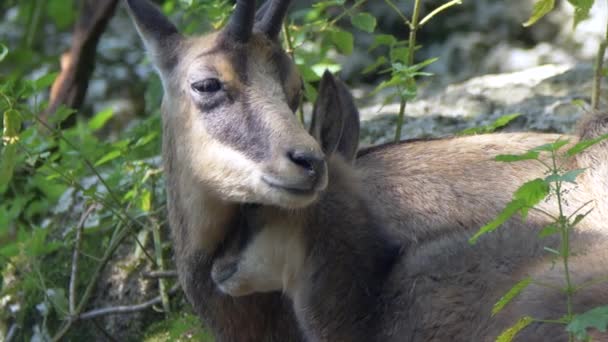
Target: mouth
(297, 189)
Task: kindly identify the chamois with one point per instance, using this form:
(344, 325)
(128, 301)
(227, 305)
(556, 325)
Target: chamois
(230, 139)
(349, 280)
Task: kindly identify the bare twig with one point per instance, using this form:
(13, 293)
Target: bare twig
(75, 254)
(161, 274)
(124, 309)
(158, 251)
(118, 236)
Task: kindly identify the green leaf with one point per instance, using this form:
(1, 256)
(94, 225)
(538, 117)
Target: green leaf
(579, 218)
(541, 8)
(145, 139)
(3, 52)
(499, 123)
(548, 231)
(310, 92)
(383, 40)
(569, 176)
(45, 81)
(100, 119)
(364, 22)
(581, 10)
(595, 318)
(108, 157)
(552, 251)
(509, 334)
(585, 144)
(343, 41)
(524, 198)
(10, 136)
(62, 11)
(8, 160)
(530, 194)
(399, 54)
(145, 202)
(509, 158)
(512, 293)
(58, 300)
(510, 210)
(380, 61)
(551, 147)
(12, 126)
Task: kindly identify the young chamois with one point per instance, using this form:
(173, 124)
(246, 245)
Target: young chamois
(230, 138)
(350, 280)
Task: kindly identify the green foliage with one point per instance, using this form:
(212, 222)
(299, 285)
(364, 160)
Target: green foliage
(509, 334)
(493, 127)
(595, 318)
(541, 8)
(512, 293)
(46, 173)
(178, 328)
(526, 198)
(364, 21)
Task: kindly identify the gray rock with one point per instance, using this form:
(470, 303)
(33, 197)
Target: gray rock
(549, 98)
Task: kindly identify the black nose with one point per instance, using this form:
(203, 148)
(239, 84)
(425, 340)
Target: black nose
(312, 162)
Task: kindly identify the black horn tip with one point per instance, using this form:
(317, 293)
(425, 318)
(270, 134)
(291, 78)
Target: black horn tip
(271, 17)
(240, 25)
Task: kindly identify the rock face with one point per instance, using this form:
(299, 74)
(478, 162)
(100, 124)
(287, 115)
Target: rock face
(486, 36)
(549, 98)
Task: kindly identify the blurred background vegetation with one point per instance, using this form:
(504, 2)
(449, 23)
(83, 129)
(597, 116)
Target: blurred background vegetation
(84, 244)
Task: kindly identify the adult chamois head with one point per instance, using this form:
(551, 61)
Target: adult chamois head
(229, 137)
(229, 103)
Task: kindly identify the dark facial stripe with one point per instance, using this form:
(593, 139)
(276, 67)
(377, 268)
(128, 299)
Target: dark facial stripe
(239, 126)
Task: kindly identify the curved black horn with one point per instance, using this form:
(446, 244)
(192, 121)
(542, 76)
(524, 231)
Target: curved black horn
(273, 14)
(241, 22)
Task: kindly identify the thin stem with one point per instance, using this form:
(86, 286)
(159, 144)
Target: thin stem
(591, 283)
(579, 209)
(400, 118)
(410, 61)
(85, 159)
(75, 255)
(160, 261)
(547, 285)
(7, 99)
(438, 10)
(599, 66)
(544, 213)
(161, 274)
(597, 77)
(552, 321)
(398, 11)
(565, 233)
(117, 237)
(126, 308)
(344, 13)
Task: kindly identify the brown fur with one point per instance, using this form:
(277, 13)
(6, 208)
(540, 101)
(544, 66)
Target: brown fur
(208, 179)
(351, 286)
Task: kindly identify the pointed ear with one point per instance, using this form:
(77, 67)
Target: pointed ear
(335, 119)
(159, 35)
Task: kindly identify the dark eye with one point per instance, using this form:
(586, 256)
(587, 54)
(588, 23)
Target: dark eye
(209, 85)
